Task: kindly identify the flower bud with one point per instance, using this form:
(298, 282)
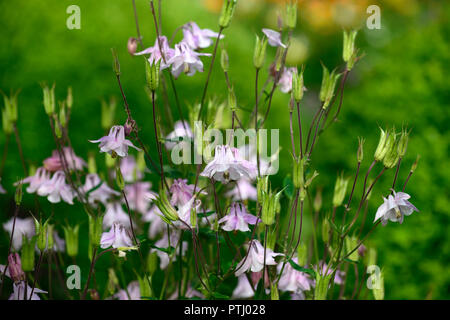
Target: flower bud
(132, 45)
(380, 152)
(71, 237)
(165, 207)
(119, 179)
(19, 193)
(152, 75)
(224, 61)
(95, 233)
(297, 85)
(69, 99)
(291, 14)
(227, 13)
(6, 123)
(259, 54)
(116, 63)
(11, 106)
(340, 189)
(360, 154)
(15, 268)
(27, 253)
(349, 45)
(49, 99)
(403, 143)
(328, 84)
(391, 157)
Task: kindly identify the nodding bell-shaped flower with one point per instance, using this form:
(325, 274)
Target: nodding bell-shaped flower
(139, 196)
(254, 261)
(97, 190)
(39, 178)
(395, 208)
(23, 227)
(115, 143)
(55, 162)
(294, 280)
(229, 165)
(155, 53)
(274, 38)
(243, 289)
(198, 38)
(186, 60)
(181, 192)
(285, 81)
(117, 237)
(115, 213)
(182, 132)
(14, 270)
(19, 292)
(243, 190)
(130, 170)
(56, 189)
(238, 218)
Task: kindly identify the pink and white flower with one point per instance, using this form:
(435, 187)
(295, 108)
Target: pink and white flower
(22, 227)
(395, 208)
(56, 189)
(139, 196)
(156, 55)
(115, 143)
(294, 280)
(55, 162)
(243, 190)
(198, 38)
(243, 289)
(130, 170)
(19, 292)
(229, 165)
(39, 178)
(181, 192)
(285, 81)
(116, 237)
(115, 213)
(254, 261)
(186, 60)
(273, 37)
(133, 292)
(97, 190)
(238, 219)
(181, 132)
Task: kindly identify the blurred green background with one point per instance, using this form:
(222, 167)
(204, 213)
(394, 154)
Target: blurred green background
(402, 81)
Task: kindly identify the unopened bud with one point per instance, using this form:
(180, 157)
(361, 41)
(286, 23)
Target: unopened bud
(299, 172)
(227, 13)
(132, 45)
(259, 54)
(15, 268)
(11, 106)
(414, 166)
(328, 85)
(349, 45)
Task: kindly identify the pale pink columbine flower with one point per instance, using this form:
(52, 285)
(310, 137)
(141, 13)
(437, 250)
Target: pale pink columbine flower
(254, 261)
(55, 162)
(181, 192)
(243, 190)
(395, 208)
(97, 190)
(322, 267)
(273, 37)
(116, 237)
(294, 280)
(139, 196)
(155, 53)
(243, 288)
(39, 178)
(184, 213)
(115, 143)
(285, 81)
(23, 227)
(198, 38)
(56, 189)
(157, 225)
(266, 164)
(186, 60)
(229, 165)
(115, 213)
(19, 292)
(130, 170)
(164, 244)
(133, 292)
(181, 135)
(238, 218)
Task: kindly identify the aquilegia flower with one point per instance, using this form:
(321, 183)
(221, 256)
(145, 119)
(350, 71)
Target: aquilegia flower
(23, 227)
(254, 261)
(294, 280)
(14, 270)
(285, 81)
(243, 288)
(198, 38)
(115, 143)
(139, 196)
(238, 218)
(155, 53)
(130, 170)
(19, 292)
(323, 268)
(229, 165)
(186, 60)
(115, 213)
(55, 162)
(181, 132)
(56, 189)
(116, 237)
(243, 190)
(133, 292)
(39, 178)
(274, 38)
(97, 190)
(395, 208)
(181, 192)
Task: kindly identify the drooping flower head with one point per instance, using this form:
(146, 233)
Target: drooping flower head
(243, 190)
(181, 131)
(97, 190)
(23, 227)
(238, 218)
(116, 237)
(285, 81)
(395, 208)
(229, 165)
(181, 192)
(156, 55)
(273, 37)
(294, 280)
(186, 60)
(139, 196)
(115, 143)
(198, 38)
(254, 262)
(40, 177)
(56, 162)
(115, 213)
(130, 170)
(56, 189)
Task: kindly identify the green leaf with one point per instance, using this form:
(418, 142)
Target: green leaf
(299, 268)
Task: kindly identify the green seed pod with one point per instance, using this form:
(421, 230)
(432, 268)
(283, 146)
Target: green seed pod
(380, 152)
(50, 238)
(116, 63)
(291, 15)
(152, 262)
(360, 154)
(95, 233)
(71, 237)
(328, 85)
(11, 106)
(262, 187)
(27, 253)
(144, 287)
(62, 114)
(152, 75)
(49, 100)
(270, 207)
(298, 174)
(340, 189)
(325, 230)
(391, 157)
(6, 123)
(18, 195)
(259, 54)
(274, 295)
(69, 99)
(42, 234)
(232, 100)
(163, 204)
(302, 254)
(403, 143)
(227, 13)
(297, 85)
(224, 61)
(349, 45)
